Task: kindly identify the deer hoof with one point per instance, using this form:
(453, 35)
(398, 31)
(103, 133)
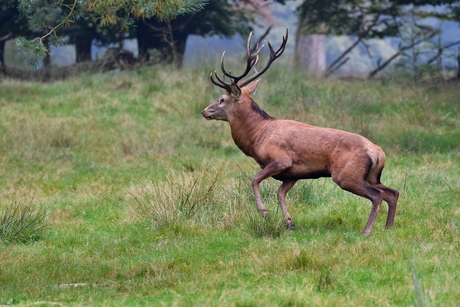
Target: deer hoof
(264, 213)
(290, 224)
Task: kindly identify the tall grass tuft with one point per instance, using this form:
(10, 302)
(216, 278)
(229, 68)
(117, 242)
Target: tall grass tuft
(21, 223)
(270, 226)
(184, 196)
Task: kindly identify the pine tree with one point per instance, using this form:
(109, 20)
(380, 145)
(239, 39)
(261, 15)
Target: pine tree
(50, 16)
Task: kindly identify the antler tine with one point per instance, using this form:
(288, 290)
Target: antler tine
(222, 84)
(249, 64)
(273, 56)
(223, 81)
(255, 64)
(248, 45)
(256, 53)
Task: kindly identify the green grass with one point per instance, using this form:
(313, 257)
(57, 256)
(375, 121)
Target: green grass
(21, 222)
(147, 203)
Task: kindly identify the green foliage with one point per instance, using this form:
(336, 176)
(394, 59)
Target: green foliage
(50, 17)
(94, 149)
(21, 223)
(161, 10)
(36, 49)
(12, 24)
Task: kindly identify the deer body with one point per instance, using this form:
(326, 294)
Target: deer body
(289, 150)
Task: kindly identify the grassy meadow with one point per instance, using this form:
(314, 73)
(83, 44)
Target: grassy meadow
(137, 200)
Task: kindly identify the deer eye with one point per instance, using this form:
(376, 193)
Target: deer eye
(221, 101)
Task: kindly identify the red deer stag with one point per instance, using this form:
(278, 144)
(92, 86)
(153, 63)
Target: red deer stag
(289, 150)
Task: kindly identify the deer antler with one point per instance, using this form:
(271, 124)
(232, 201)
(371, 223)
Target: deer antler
(222, 84)
(273, 56)
(252, 61)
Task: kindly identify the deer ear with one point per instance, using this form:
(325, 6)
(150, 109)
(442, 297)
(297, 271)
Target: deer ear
(235, 91)
(253, 86)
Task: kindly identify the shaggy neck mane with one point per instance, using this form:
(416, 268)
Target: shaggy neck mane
(255, 107)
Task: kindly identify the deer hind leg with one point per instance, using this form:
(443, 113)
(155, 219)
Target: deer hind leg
(271, 169)
(375, 196)
(366, 190)
(391, 197)
(283, 190)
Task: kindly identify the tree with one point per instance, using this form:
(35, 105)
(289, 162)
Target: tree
(310, 50)
(169, 37)
(63, 13)
(162, 25)
(84, 31)
(223, 18)
(12, 24)
(370, 19)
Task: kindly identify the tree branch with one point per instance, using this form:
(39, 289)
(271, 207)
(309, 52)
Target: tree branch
(331, 69)
(394, 56)
(64, 20)
(6, 36)
(337, 66)
(441, 50)
(458, 61)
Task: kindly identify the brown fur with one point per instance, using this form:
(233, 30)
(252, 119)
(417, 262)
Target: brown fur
(289, 151)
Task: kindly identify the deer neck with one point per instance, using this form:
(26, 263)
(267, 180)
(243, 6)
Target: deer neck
(248, 124)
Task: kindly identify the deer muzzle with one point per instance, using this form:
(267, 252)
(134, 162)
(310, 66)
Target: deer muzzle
(206, 115)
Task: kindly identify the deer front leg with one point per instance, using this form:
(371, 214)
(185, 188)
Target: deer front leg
(271, 169)
(283, 190)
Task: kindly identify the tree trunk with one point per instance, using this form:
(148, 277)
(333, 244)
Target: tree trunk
(180, 41)
(169, 42)
(83, 50)
(2, 53)
(143, 34)
(310, 51)
(458, 63)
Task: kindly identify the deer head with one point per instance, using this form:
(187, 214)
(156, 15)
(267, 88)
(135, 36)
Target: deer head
(237, 88)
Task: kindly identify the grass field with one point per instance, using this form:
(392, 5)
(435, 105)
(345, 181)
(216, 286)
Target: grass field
(146, 203)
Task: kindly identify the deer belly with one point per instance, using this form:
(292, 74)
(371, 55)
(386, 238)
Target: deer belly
(297, 172)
